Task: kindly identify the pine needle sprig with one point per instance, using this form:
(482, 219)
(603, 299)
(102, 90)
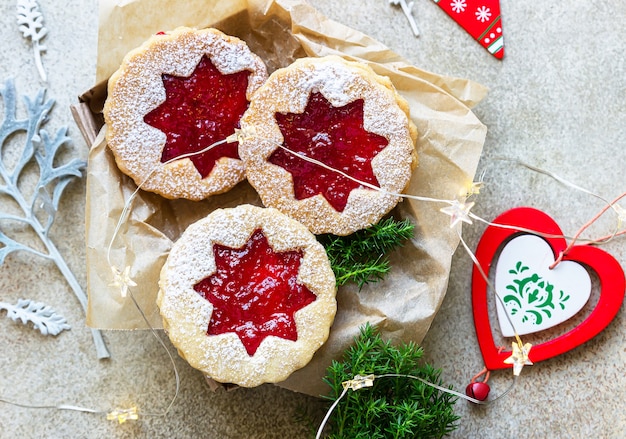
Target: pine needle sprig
(362, 257)
(394, 407)
(361, 273)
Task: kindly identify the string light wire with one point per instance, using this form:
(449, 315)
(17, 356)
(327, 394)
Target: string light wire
(128, 203)
(458, 210)
(124, 282)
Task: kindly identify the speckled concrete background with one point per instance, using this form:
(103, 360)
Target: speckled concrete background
(556, 101)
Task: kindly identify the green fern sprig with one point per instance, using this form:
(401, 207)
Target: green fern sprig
(363, 256)
(394, 407)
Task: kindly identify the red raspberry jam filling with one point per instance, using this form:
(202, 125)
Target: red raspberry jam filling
(198, 111)
(255, 292)
(334, 136)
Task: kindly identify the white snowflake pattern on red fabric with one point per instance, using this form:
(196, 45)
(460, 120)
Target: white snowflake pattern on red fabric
(481, 19)
(458, 6)
(483, 14)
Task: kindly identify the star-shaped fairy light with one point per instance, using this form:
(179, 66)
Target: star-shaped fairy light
(198, 111)
(240, 134)
(122, 280)
(359, 382)
(255, 292)
(334, 136)
(123, 415)
(473, 189)
(459, 212)
(519, 357)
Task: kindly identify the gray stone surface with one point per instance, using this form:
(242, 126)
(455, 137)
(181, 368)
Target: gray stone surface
(555, 101)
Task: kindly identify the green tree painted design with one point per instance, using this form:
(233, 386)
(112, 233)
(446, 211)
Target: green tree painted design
(532, 297)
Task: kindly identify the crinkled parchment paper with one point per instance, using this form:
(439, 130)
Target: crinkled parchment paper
(449, 146)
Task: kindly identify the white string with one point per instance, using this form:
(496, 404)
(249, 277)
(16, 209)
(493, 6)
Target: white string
(486, 279)
(88, 410)
(362, 183)
(552, 175)
(120, 222)
(56, 407)
(128, 203)
(176, 374)
(329, 412)
(610, 204)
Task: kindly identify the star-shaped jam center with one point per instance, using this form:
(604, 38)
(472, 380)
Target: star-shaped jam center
(198, 111)
(255, 292)
(334, 136)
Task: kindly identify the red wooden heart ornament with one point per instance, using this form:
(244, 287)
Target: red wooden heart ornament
(608, 270)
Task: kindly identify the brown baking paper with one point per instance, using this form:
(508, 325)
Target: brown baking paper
(449, 146)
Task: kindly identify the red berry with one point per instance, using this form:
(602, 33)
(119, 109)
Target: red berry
(477, 390)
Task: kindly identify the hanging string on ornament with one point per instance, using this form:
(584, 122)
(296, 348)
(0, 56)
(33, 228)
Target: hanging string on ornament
(621, 216)
(619, 211)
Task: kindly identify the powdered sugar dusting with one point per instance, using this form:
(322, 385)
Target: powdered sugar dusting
(341, 82)
(186, 314)
(137, 88)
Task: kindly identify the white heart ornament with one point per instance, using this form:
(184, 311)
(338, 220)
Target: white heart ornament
(531, 296)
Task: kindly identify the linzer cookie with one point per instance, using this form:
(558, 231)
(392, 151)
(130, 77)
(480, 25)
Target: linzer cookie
(343, 117)
(247, 295)
(176, 95)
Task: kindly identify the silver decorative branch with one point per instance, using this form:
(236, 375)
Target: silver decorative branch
(43, 317)
(39, 208)
(30, 22)
(407, 8)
